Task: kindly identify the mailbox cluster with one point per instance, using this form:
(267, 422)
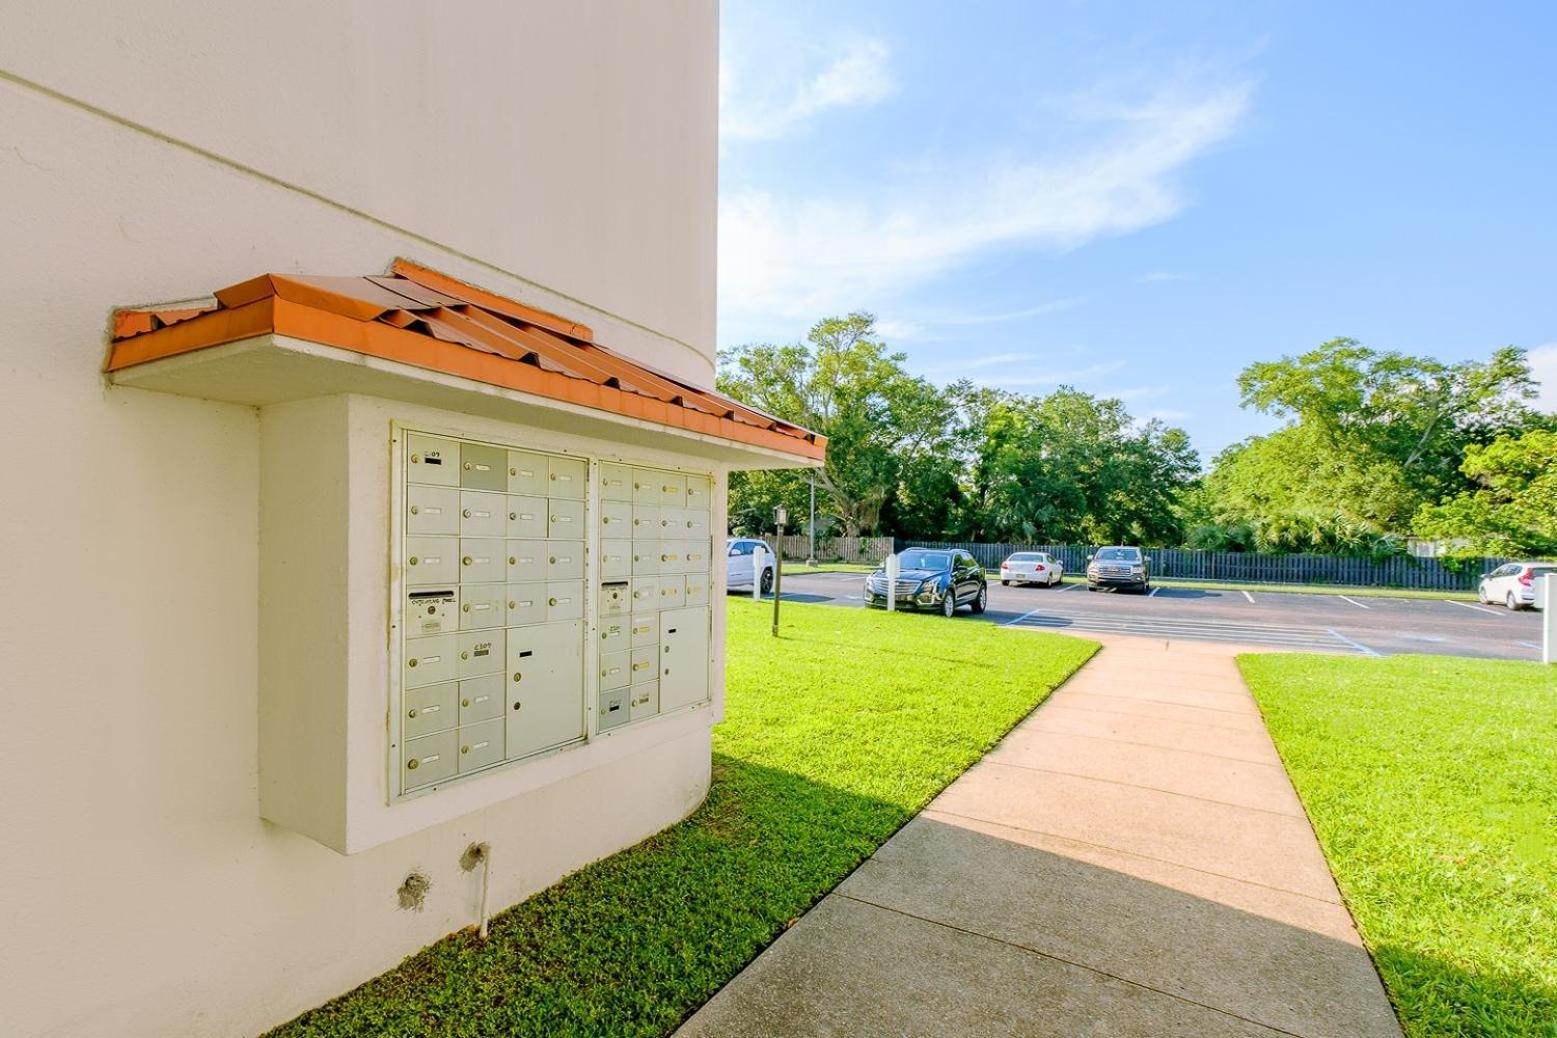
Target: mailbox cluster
(654, 567)
(495, 553)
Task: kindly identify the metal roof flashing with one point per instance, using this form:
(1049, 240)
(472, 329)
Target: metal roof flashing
(423, 337)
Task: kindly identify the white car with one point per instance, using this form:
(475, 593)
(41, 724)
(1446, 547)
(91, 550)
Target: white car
(739, 571)
(1513, 584)
(1031, 567)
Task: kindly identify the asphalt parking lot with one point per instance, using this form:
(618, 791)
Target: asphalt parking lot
(1373, 626)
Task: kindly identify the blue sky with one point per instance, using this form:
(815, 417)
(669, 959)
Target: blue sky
(1140, 199)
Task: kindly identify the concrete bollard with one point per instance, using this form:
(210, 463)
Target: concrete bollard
(894, 567)
(758, 562)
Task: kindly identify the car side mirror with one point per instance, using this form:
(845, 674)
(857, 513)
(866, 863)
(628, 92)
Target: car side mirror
(1091, 557)
(733, 552)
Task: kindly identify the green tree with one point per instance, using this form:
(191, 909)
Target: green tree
(1512, 509)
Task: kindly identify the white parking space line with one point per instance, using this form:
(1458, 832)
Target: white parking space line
(1154, 592)
(1248, 596)
(1072, 587)
(1024, 616)
(1478, 608)
(1354, 644)
(1528, 645)
(1354, 602)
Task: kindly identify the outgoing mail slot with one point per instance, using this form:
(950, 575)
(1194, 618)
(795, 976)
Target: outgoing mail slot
(673, 489)
(616, 559)
(646, 558)
(429, 612)
(483, 467)
(483, 605)
(432, 511)
(645, 593)
(613, 635)
(643, 700)
(564, 560)
(614, 709)
(564, 600)
(615, 669)
(526, 604)
(432, 560)
(429, 759)
(614, 599)
(645, 629)
(428, 661)
(482, 561)
(483, 514)
(481, 745)
(478, 653)
(481, 698)
(642, 667)
(696, 589)
(616, 519)
(526, 516)
(699, 493)
(526, 560)
(527, 473)
(429, 709)
(616, 482)
(564, 518)
(432, 459)
(646, 487)
(567, 477)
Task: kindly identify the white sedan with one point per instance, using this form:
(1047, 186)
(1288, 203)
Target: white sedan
(1031, 567)
(1513, 584)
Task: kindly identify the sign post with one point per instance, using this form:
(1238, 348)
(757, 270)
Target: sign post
(894, 567)
(779, 518)
(1547, 594)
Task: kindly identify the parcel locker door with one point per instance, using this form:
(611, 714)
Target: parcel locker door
(683, 657)
(545, 681)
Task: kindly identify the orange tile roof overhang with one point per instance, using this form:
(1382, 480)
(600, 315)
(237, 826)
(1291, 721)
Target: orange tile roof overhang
(429, 320)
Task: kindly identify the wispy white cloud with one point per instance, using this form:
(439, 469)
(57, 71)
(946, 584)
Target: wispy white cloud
(857, 75)
(1543, 365)
(798, 256)
(1164, 275)
(896, 327)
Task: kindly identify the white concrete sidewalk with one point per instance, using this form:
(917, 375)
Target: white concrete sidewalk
(1130, 860)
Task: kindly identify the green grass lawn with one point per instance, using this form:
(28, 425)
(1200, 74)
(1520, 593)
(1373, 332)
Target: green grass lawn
(835, 735)
(1432, 782)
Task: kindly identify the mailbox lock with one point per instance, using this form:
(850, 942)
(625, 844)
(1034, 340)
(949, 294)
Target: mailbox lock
(467, 466)
(465, 655)
(518, 705)
(513, 472)
(554, 477)
(466, 560)
(412, 713)
(416, 459)
(511, 560)
(416, 509)
(411, 662)
(466, 607)
(551, 601)
(518, 676)
(466, 513)
(413, 560)
(512, 604)
(513, 515)
(464, 749)
(464, 702)
(554, 558)
(412, 764)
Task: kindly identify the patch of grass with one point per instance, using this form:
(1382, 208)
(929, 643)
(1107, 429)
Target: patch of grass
(835, 735)
(1432, 783)
(1306, 589)
(800, 568)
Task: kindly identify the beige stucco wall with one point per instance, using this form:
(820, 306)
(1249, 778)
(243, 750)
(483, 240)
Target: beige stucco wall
(563, 153)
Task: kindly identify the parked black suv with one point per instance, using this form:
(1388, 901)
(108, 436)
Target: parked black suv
(1124, 567)
(932, 578)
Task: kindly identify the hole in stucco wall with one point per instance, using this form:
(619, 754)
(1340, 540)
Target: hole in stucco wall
(413, 892)
(474, 855)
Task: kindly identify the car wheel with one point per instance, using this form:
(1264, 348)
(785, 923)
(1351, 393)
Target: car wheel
(1053, 580)
(1512, 603)
(767, 581)
(1481, 594)
(982, 601)
(949, 603)
(1005, 583)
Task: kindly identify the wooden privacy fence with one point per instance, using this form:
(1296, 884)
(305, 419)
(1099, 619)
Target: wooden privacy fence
(1398, 571)
(837, 549)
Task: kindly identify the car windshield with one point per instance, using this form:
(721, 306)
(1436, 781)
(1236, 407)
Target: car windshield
(937, 560)
(1025, 556)
(1119, 555)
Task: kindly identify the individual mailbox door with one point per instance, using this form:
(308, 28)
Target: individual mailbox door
(564, 560)
(646, 487)
(527, 474)
(616, 482)
(699, 493)
(673, 489)
(567, 477)
(429, 759)
(672, 522)
(482, 561)
(645, 663)
(645, 593)
(483, 467)
(432, 560)
(670, 592)
(432, 460)
(481, 699)
(430, 709)
(432, 511)
(646, 558)
(565, 519)
(545, 681)
(671, 558)
(614, 709)
(479, 652)
(480, 745)
(646, 522)
(616, 519)
(645, 629)
(430, 612)
(614, 634)
(427, 661)
(614, 669)
(564, 600)
(526, 604)
(526, 517)
(696, 589)
(695, 525)
(483, 514)
(683, 657)
(526, 561)
(643, 700)
(483, 605)
(614, 598)
(698, 556)
(616, 560)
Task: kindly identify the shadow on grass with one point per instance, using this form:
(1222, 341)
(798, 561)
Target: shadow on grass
(1440, 999)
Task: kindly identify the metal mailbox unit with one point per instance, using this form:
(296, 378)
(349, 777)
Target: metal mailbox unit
(493, 550)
